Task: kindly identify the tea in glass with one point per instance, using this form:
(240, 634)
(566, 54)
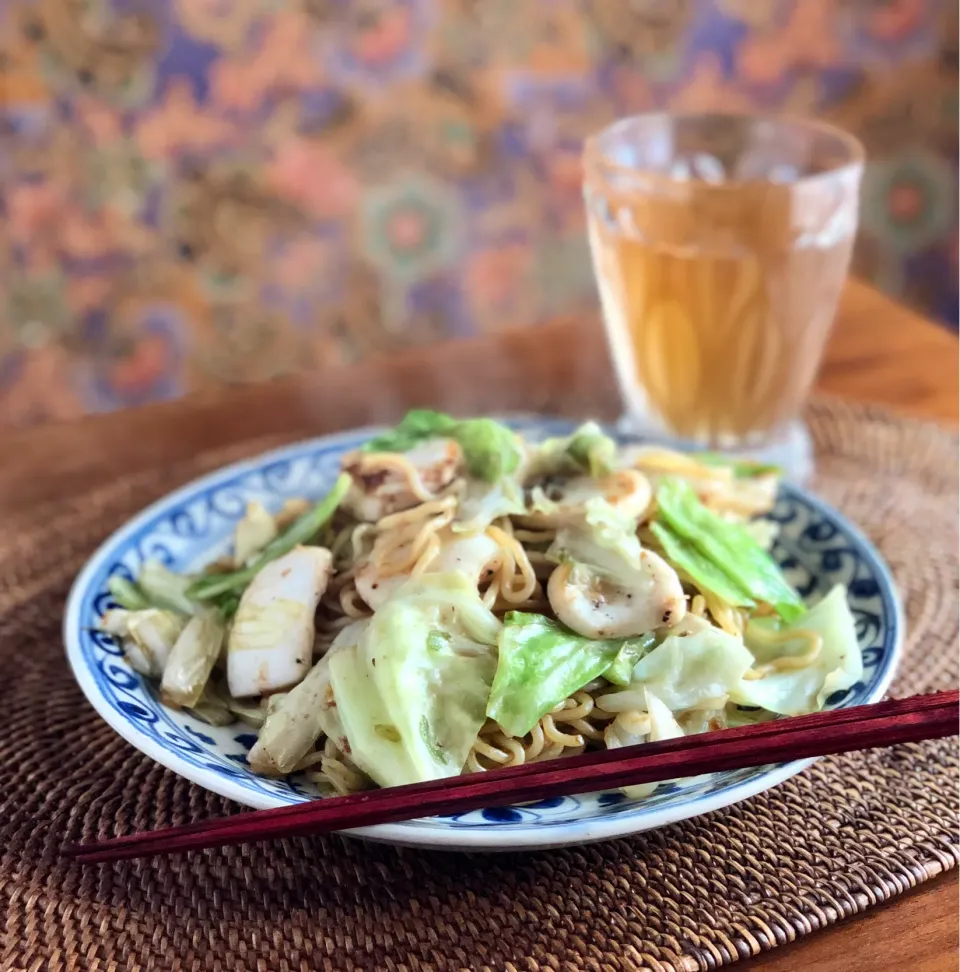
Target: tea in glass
(720, 245)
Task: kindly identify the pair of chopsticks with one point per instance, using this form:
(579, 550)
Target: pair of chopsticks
(784, 740)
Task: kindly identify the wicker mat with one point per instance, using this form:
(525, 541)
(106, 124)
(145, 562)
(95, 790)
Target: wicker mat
(836, 840)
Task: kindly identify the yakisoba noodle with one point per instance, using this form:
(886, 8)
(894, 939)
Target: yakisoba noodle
(335, 770)
(389, 466)
(785, 663)
(406, 541)
(565, 615)
(566, 730)
(515, 581)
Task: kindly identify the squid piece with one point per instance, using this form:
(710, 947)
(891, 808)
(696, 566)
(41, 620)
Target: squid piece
(596, 605)
(388, 482)
(271, 640)
(628, 492)
(476, 556)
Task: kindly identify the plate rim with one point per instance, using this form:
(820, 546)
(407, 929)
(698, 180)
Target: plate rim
(430, 832)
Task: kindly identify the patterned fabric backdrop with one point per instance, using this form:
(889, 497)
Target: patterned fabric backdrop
(206, 191)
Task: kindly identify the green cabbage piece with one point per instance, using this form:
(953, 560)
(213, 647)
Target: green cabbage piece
(147, 636)
(541, 663)
(212, 707)
(155, 632)
(304, 713)
(412, 693)
(605, 540)
(127, 594)
(631, 651)
(490, 449)
(418, 425)
(592, 450)
(191, 661)
(156, 587)
(374, 741)
(685, 672)
(482, 503)
(587, 450)
(838, 666)
(728, 546)
(700, 568)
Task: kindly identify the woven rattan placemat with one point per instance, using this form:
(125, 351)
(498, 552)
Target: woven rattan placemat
(842, 836)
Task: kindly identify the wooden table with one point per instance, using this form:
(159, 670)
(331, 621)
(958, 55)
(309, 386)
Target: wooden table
(879, 352)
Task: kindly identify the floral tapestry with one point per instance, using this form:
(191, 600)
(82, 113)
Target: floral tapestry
(198, 192)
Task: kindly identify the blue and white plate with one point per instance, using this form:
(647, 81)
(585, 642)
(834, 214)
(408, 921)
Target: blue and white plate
(817, 548)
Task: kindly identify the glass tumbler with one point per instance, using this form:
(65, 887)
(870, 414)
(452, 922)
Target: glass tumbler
(720, 245)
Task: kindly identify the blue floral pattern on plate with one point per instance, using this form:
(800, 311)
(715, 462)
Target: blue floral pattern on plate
(816, 547)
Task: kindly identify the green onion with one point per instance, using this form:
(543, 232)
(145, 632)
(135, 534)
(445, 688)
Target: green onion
(302, 530)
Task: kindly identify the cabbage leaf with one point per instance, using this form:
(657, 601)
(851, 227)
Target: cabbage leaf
(483, 502)
(541, 663)
(631, 651)
(699, 568)
(838, 665)
(165, 589)
(490, 449)
(191, 660)
(728, 546)
(604, 540)
(418, 425)
(412, 693)
(685, 672)
(304, 713)
(587, 450)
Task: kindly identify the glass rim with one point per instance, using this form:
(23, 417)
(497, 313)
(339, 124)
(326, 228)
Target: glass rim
(594, 157)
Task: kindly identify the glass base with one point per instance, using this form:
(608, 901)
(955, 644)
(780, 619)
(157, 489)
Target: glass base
(791, 448)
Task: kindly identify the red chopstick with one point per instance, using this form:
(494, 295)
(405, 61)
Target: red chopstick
(780, 741)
